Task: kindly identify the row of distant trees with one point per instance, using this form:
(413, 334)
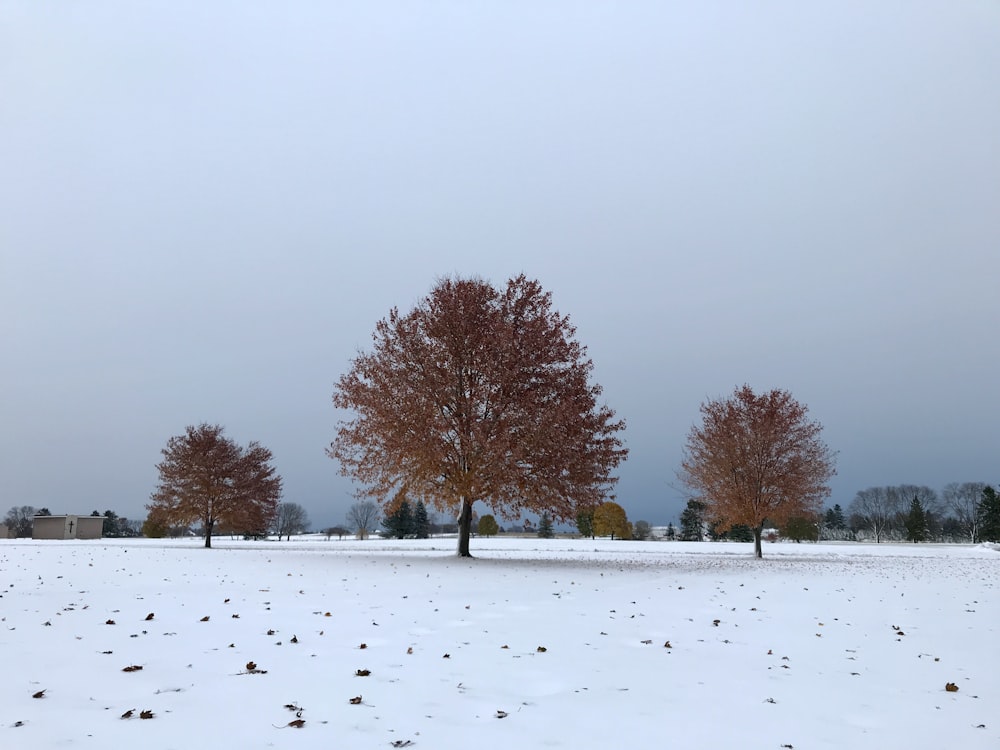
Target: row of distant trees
(962, 512)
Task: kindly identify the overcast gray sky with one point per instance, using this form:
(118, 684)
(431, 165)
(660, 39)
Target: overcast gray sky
(205, 207)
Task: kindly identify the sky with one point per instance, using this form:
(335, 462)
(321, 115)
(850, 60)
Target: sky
(205, 208)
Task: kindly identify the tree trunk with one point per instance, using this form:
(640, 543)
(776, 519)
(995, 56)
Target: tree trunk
(208, 535)
(758, 532)
(464, 528)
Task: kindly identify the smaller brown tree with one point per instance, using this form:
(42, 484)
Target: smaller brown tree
(206, 477)
(611, 520)
(757, 459)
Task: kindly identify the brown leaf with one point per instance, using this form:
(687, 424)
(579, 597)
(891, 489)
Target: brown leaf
(270, 632)
(647, 642)
(501, 714)
(109, 622)
(355, 700)
(297, 723)
(363, 646)
(951, 687)
(505, 646)
(149, 616)
(147, 714)
(446, 656)
(294, 639)
(409, 650)
(133, 668)
(667, 645)
(541, 649)
(251, 666)
(39, 694)
(128, 714)
(204, 619)
(362, 673)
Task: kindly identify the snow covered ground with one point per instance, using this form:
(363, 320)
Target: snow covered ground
(534, 644)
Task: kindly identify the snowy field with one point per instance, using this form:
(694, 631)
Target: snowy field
(534, 644)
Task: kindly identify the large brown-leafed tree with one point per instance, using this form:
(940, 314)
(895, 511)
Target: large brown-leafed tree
(478, 394)
(757, 459)
(206, 477)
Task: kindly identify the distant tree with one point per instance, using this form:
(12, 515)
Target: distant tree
(488, 526)
(19, 520)
(338, 531)
(362, 518)
(693, 522)
(421, 521)
(671, 532)
(989, 510)
(206, 477)
(800, 528)
(585, 522)
(398, 523)
(110, 527)
(545, 527)
(834, 524)
(963, 500)
(291, 518)
(480, 394)
(756, 459)
(916, 522)
(610, 519)
(740, 532)
(43, 512)
(876, 510)
(641, 531)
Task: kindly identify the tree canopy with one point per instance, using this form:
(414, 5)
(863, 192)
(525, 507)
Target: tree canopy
(611, 520)
(206, 477)
(757, 458)
(478, 394)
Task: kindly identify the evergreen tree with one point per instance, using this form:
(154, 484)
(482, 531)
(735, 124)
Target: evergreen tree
(692, 522)
(916, 522)
(488, 526)
(421, 522)
(399, 523)
(799, 528)
(740, 533)
(671, 532)
(585, 522)
(989, 512)
(545, 526)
